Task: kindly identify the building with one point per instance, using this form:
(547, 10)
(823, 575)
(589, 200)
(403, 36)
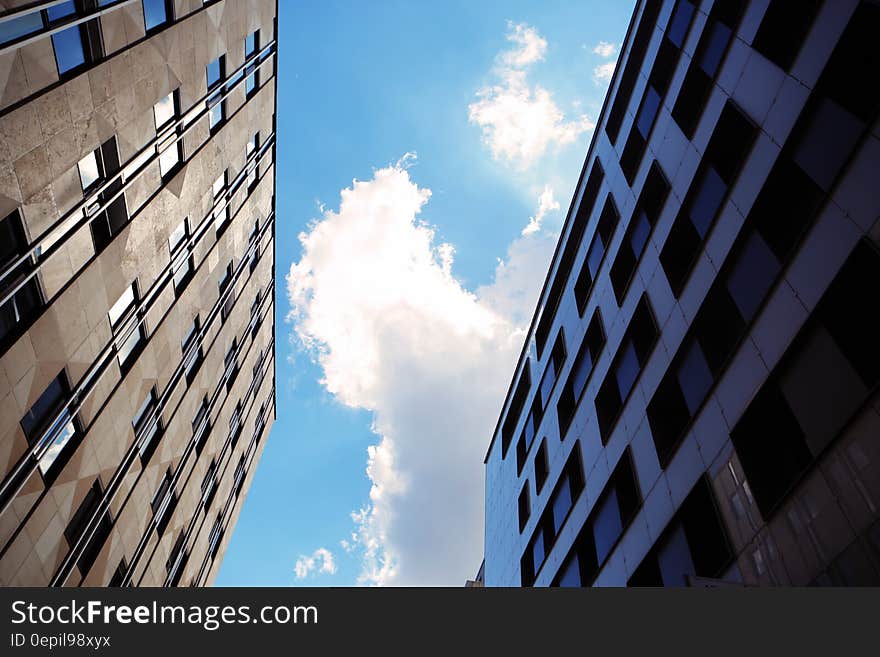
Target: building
(697, 399)
(137, 149)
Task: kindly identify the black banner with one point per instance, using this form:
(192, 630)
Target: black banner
(413, 621)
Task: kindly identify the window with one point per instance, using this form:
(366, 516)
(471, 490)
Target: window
(251, 47)
(820, 383)
(215, 536)
(227, 294)
(54, 426)
(693, 544)
(128, 326)
(635, 349)
(728, 148)
(253, 240)
(608, 221)
(612, 514)
(630, 75)
(164, 502)
(566, 492)
(645, 215)
(551, 373)
(78, 44)
(106, 210)
(524, 506)
(717, 35)
(177, 560)
(782, 32)
(147, 425)
(20, 27)
(79, 524)
(569, 253)
(201, 425)
(221, 207)
(238, 476)
(542, 466)
(182, 261)
(255, 316)
(516, 406)
(166, 115)
(191, 347)
(230, 364)
(581, 370)
(209, 484)
(250, 156)
(26, 296)
(157, 13)
(257, 378)
(215, 73)
(235, 424)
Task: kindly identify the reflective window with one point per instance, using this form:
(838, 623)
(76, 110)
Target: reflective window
(156, 13)
(752, 276)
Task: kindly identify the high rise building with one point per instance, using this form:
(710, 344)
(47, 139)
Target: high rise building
(697, 399)
(137, 149)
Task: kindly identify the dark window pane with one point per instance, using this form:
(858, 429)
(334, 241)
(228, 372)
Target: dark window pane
(694, 377)
(607, 525)
(674, 559)
(710, 192)
(826, 143)
(752, 276)
(626, 369)
(679, 23)
(571, 573)
(716, 44)
(516, 407)
(562, 499)
(782, 31)
(648, 112)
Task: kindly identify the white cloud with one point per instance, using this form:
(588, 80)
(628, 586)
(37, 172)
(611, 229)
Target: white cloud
(520, 121)
(605, 49)
(532, 46)
(546, 203)
(375, 301)
(320, 561)
(603, 72)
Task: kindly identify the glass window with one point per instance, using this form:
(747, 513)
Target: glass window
(146, 423)
(68, 49)
(561, 503)
(641, 231)
(524, 506)
(678, 24)
(694, 377)
(156, 13)
(75, 530)
(570, 576)
(752, 275)
(19, 27)
(122, 305)
(675, 560)
(214, 72)
(219, 185)
(648, 112)
(538, 550)
(607, 525)
(627, 369)
(716, 44)
(707, 200)
(89, 170)
(178, 235)
(250, 44)
(831, 135)
(28, 299)
(48, 419)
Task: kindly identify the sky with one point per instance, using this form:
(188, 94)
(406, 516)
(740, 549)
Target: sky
(426, 156)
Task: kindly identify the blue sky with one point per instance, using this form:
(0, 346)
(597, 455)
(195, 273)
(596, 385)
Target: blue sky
(462, 122)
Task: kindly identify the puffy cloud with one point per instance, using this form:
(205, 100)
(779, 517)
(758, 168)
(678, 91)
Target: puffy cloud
(603, 72)
(374, 299)
(532, 46)
(605, 49)
(546, 203)
(320, 561)
(520, 121)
